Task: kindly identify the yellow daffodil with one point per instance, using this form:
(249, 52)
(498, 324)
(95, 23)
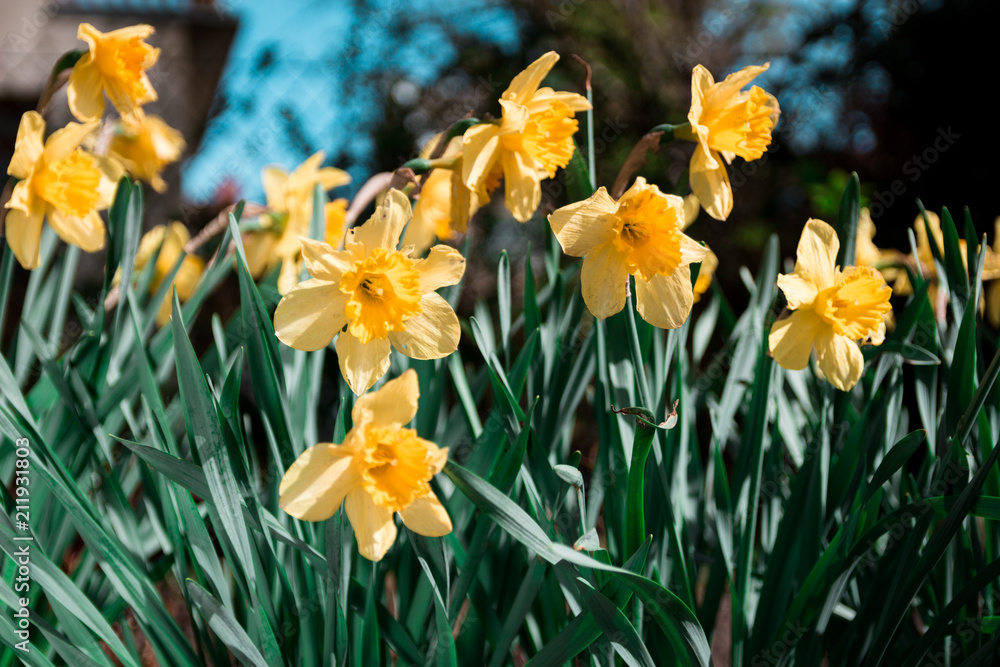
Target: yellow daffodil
(533, 139)
(146, 147)
(336, 222)
(641, 235)
(445, 204)
(290, 201)
(383, 297)
(169, 241)
(116, 64)
(725, 121)
(59, 181)
(382, 468)
(832, 310)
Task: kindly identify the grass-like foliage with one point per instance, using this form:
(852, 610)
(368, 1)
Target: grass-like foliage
(783, 520)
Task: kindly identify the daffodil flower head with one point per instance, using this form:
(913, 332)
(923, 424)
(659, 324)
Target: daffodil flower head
(116, 64)
(532, 141)
(373, 297)
(726, 121)
(58, 181)
(289, 198)
(145, 147)
(833, 310)
(640, 234)
(166, 243)
(382, 468)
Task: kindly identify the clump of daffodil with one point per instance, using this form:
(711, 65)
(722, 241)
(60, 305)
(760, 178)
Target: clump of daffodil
(382, 468)
(115, 63)
(167, 243)
(533, 139)
(58, 181)
(833, 310)
(383, 297)
(445, 204)
(725, 121)
(993, 291)
(145, 147)
(640, 234)
(290, 204)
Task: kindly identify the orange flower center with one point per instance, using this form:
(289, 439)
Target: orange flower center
(856, 306)
(649, 235)
(383, 291)
(70, 184)
(124, 61)
(395, 466)
(547, 137)
(743, 128)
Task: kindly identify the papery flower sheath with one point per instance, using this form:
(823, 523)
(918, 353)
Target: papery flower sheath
(383, 297)
(641, 235)
(166, 243)
(145, 147)
(58, 181)
(726, 121)
(290, 201)
(382, 468)
(533, 139)
(833, 310)
(116, 64)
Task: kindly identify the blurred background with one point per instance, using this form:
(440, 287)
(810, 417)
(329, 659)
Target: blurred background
(888, 88)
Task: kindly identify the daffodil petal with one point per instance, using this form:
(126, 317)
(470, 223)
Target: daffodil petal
(64, 141)
(362, 364)
(525, 84)
(443, 266)
(523, 192)
(86, 232)
(274, 180)
(289, 276)
(993, 305)
(426, 516)
(385, 226)
(322, 261)
(28, 146)
(85, 90)
(393, 406)
(480, 146)
(583, 226)
(24, 234)
(309, 316)
(791, 339)
(840, 359)
(711, 183)
(731, 86)
(665, 301)
(816, 256)
(545, 97)
(330, 178)
(317, 483)
(603, 279)
(691, 209)
(691, 250)
(373, 525)
(111, 172)
(799, 290)
(432, 334)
